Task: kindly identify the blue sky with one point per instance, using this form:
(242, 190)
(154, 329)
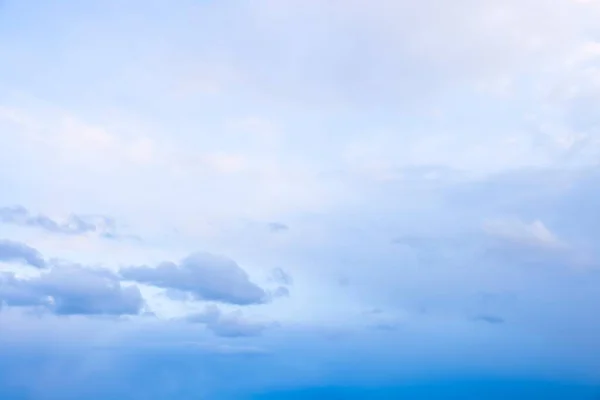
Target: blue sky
(299, 199)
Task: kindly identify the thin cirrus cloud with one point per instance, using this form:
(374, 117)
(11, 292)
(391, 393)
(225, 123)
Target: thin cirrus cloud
(73, 225)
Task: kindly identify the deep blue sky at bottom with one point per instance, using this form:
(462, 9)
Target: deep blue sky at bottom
(480, 390)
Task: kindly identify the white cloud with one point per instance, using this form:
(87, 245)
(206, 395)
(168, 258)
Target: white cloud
(534, 234)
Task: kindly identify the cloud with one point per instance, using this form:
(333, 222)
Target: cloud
(517, 232)
(73, 290)
(276, 227)
(379, 114)
(18, 252)
(490, 319)
(205, 276)
(425, 47)
(15, 292)
(281, 291)
(232, 324)
(280, 276)
(74, 225)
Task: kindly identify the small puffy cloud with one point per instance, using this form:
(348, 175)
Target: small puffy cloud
(73, 290)
(231, 324)
(283, 279)
(73, 225)
(520, 233)
(280, 276)
(19, 252)
(277, 227)
(281, 291)
(205, 276)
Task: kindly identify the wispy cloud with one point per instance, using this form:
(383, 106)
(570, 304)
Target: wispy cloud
(231, 324)
(277, 227)
(74, 225)
(520, 233)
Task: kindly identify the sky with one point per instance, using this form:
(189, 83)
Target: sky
(299, 199)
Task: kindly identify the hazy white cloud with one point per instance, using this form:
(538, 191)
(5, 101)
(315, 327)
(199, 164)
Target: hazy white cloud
(534, 234)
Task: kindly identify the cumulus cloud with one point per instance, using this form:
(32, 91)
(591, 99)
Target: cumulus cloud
(72, 290)
(232, 324)
(19, 252)
(205, 276)
(73, 225)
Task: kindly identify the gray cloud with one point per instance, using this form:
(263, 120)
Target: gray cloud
(231, 324)
(74, 225)
(16, 292)
(281, 291)
(19, 252)
(72, 290)
(490, 319)
(276, 227)
(205, 276)
(280, 276)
